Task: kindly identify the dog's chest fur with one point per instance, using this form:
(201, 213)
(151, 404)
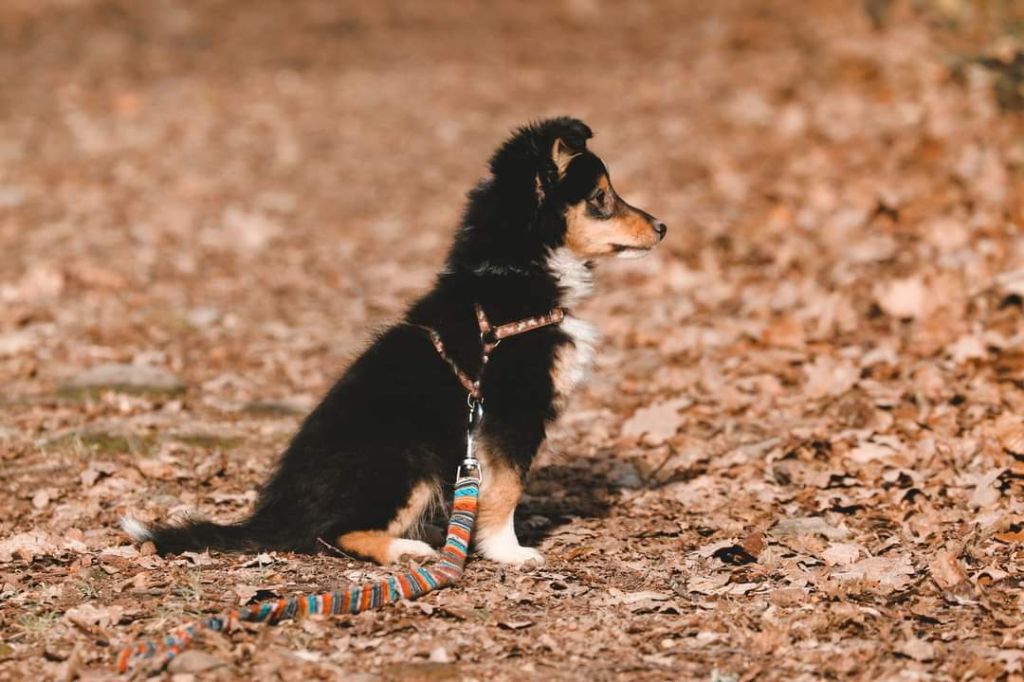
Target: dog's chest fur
(572, 361)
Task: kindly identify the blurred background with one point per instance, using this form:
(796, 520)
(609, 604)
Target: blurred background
(276, 163)
(207, 206)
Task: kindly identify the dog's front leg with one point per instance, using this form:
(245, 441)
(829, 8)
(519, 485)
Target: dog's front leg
(495, 533)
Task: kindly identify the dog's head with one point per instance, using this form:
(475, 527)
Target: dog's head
(549, 165)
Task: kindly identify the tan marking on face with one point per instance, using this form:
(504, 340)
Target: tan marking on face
(410, 516)
(371, 544)
(590, 237)
(499, 493)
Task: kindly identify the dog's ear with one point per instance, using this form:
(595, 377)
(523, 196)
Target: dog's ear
(570, 140)
(573, 132)
(561, 154)
(540, 153)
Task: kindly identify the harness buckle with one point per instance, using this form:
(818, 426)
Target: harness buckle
(489, 339)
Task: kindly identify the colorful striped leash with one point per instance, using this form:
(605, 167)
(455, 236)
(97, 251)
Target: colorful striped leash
(444, 571)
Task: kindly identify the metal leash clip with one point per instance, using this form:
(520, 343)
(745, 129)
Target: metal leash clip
(471, 466)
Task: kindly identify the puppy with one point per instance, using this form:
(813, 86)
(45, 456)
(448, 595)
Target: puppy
(382, 448)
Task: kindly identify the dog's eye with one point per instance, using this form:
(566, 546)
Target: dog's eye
(598, 197)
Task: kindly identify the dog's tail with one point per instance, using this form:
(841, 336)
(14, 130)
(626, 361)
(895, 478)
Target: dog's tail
(194, 536)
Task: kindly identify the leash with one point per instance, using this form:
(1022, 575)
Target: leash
(446, 569)
(370, 595)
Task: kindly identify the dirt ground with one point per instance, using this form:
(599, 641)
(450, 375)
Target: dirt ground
(800, 457)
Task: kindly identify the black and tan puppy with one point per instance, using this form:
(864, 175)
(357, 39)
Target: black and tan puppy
(382, 448)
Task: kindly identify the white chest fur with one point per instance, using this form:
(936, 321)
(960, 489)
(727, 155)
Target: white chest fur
(578, 359)
(574, 278)
(573, 361)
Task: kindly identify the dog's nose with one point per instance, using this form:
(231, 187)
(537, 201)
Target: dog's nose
(660, 228)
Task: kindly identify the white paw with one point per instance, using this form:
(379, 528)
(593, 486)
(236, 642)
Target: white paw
(401, 547)
(514, 555)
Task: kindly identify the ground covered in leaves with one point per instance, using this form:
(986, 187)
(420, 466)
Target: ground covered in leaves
(801, 455)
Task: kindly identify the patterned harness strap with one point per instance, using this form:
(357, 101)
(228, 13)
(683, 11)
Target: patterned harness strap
(444, 571)
(490, 337)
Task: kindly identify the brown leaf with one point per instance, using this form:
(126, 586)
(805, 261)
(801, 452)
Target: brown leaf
(515, 624)
(918, 649)
(946, 570)
(656, 423)
(753, 544)
(26, 546)
(1009, 431)
(193, 661)
(842, 554)
(786, 332)
(1010, 536)
(904, 298)
(93, 615)
(887, 571)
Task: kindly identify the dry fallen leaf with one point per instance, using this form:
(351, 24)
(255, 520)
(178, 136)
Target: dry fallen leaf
(842, 554)
(753, 544)
(946, 570)
(514, 624)
(918, 649)
(193, 661)
(986, 494)
(888, 571)
(811, 525)
(26, 546)
(904, 298)
(868, 452)
(829, 377)
(656, 423)
(94, 615)
(1009, 430)
(1011, 536)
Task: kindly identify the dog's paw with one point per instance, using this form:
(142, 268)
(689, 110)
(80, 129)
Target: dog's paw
(516, 555)
(401, 548)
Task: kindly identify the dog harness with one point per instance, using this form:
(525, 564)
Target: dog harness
(444, 571)
(490, 337)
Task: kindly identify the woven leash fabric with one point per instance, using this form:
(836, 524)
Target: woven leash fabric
(446, 570)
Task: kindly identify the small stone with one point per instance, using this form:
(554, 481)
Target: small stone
(809, 525)
(202, 317)
(139, 379)
(625, 475)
